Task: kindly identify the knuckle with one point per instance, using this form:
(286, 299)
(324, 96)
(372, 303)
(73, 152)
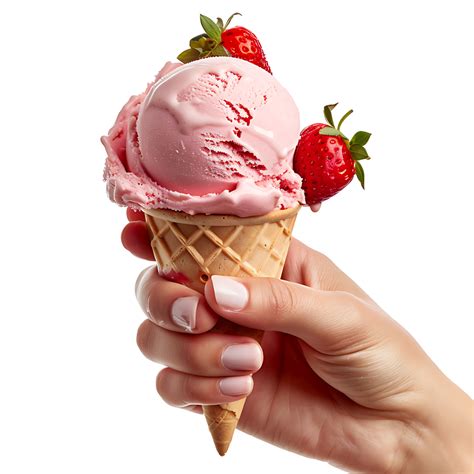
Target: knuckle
(282, 300)
(352, 311)
(191, 355)
(191, 393)
(356, 328)
(357, 309)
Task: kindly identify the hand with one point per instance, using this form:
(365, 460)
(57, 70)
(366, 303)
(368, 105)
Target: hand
(341, 381)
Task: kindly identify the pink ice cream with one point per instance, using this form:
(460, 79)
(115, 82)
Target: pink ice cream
(215, 136)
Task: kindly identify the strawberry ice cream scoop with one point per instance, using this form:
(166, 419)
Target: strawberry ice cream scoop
(214, 136)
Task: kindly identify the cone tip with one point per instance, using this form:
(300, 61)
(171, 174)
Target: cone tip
(222, 448)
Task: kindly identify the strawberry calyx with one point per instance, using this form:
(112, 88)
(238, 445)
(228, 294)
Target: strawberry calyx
(209, 43)
(356, 145)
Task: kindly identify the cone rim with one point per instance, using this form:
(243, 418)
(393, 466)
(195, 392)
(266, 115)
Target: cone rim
(221, 219)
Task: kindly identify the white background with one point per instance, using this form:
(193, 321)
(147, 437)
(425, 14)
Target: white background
(77, 396)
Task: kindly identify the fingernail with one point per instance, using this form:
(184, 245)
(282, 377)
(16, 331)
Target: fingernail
(183, 312)
(242, 357)
(229, 293)
(234, 386)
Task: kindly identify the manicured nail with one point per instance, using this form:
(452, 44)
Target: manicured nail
(183, 312)
(229, 293)
(242, 357)
(234, 386)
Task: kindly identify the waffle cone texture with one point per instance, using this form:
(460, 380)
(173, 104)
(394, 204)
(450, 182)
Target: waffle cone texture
(190, 249)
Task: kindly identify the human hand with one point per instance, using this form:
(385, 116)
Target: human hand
(341, 381)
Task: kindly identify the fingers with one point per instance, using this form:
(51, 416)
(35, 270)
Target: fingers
(135, 236)
(329, 321)
(209, 355)
(171, 305)
(181, 390)
(134, 215)
(136, 240)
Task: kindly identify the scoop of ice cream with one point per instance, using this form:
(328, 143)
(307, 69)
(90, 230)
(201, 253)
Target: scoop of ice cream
(215, 136)
(212, 123)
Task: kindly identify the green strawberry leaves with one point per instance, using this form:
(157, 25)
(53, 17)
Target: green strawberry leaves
(207, 44)
(219, 50)
(330, 131)
(189, 55)
(355, 145)
(198, 42)
(360, 174)
(359, 153)
(211, 28)
(361, 138)
(328, 115)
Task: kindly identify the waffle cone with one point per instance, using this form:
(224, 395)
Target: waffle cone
(189, 249)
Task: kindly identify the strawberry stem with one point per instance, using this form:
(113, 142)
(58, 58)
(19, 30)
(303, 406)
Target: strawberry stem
(344, 118)
(227, 23)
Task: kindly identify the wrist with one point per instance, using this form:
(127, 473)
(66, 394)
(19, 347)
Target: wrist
(442, 436)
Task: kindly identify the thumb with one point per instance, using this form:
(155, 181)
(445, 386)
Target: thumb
(328, 321)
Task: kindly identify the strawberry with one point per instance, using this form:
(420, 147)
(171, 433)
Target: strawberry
(243, 44)
(327, 160)
(238, 42)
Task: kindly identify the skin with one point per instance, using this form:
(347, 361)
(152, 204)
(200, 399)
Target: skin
(341, 381)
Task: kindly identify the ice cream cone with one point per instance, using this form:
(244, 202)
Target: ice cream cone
(189, 249)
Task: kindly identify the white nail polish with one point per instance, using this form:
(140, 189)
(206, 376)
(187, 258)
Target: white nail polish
(230, 294)
(247, 356)
(183, 312)
(234, 386)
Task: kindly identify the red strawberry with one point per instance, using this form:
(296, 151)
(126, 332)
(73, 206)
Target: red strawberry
(327, 160)
(238, 42)
(242, 43)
